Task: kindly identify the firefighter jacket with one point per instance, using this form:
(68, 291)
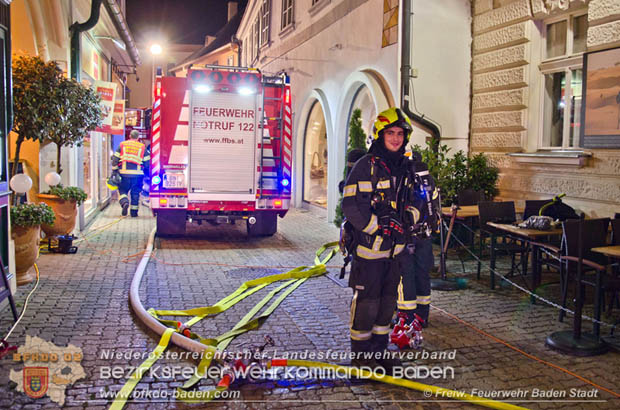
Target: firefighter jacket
(368, 177)
(131, 158)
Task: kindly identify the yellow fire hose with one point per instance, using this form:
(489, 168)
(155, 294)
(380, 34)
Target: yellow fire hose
(210, 347)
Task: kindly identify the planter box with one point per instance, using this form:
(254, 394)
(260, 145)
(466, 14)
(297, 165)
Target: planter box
(26, 251)
(65, 211)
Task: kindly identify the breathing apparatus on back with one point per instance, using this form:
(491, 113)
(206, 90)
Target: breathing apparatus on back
(423, 201)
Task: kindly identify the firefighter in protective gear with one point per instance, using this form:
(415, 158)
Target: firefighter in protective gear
(369, 204)
(422, 218)
(131, 161)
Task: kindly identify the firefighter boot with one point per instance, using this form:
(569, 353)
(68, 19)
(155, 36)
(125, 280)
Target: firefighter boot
(363, 356)
(125, 206)
(134, 211)
(423, 312)
(386, 358)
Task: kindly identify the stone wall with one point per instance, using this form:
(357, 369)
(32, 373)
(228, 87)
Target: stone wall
(506, 102)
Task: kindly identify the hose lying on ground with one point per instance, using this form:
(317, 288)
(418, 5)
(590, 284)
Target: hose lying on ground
(169, 334)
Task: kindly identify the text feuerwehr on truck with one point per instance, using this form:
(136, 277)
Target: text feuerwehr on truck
(221, 149)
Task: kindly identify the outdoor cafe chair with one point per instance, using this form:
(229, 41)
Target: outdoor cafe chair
(532, 207)
(550, 247)
(504, 213)
(467, 226)
(594, 234)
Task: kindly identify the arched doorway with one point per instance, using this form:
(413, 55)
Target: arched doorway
(315, 157)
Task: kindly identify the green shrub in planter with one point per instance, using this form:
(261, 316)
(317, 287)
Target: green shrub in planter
(68, 193)
(482, 176)
(455, 173)
(32, 215)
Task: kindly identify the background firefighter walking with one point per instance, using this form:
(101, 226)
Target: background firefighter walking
(131, 162)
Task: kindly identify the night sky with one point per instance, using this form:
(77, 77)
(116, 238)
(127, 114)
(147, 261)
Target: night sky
(176, 21)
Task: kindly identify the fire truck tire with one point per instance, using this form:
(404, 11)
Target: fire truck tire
(266, 224)
(171, 222)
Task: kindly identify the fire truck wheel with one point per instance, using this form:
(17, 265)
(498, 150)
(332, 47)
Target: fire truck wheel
(266, 224)
(171, 222)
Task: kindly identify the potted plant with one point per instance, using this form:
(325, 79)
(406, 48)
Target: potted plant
(455, 173)
(77, 112)
(64, 202)
(34, 82)
(52, 108)
(26, 220)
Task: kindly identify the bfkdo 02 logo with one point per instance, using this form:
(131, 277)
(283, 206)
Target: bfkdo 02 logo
(36, 381)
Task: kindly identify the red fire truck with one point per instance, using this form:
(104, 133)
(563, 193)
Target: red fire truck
(221, 149)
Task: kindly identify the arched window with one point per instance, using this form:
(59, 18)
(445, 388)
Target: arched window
(364, 101)
(315, 157)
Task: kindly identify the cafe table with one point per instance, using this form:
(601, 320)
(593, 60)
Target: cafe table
(465, 215)
(532, 237)
(612, 251)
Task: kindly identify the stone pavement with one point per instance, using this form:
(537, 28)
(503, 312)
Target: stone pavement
(83, 300)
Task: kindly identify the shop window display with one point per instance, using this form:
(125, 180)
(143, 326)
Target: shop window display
(315, 158)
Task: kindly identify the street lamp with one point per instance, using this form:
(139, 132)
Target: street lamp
(156, 49)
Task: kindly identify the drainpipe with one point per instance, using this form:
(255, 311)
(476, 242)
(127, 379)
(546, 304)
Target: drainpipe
(405, 76)
(234, 40)
(76, 29)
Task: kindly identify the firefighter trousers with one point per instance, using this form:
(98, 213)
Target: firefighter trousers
(414, 290)
(374, 286)
(130, 184)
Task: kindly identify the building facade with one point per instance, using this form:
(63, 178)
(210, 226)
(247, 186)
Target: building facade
(528, 92)
(220, 49)
(492, 74)
(343, 55)
(104, 51)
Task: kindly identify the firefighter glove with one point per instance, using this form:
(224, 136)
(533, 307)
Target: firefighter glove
(381, 207)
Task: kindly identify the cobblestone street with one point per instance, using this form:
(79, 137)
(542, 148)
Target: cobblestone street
(82, 300)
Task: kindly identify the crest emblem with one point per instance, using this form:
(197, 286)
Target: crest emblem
(36, 381)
